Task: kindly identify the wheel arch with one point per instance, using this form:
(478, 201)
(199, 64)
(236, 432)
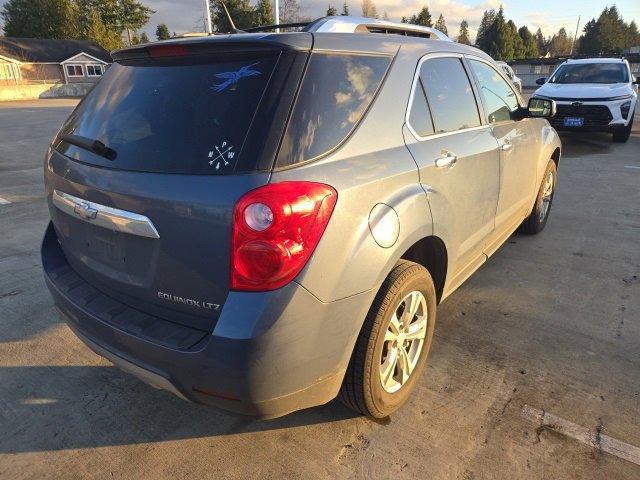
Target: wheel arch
(431, 253)
(555, 156)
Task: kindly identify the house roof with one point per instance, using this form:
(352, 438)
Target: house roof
(41, 50)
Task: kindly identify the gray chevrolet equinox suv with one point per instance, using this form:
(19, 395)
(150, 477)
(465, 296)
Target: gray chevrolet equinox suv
(266, 221)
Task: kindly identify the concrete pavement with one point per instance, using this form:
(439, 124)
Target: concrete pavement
(551, 322)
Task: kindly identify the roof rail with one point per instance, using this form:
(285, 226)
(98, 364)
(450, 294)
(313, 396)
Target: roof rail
(348, 24)
(266, 28)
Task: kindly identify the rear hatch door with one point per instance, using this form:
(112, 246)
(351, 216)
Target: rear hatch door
(188, 134)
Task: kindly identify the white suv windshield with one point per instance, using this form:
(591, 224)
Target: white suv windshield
(591, 73)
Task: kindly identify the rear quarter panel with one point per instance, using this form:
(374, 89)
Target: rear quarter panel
(373, 166)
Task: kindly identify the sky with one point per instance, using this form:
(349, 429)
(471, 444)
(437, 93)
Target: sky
(549, 15)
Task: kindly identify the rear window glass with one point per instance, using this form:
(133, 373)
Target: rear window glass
(451, 98)
(187, 117)
(336, 91)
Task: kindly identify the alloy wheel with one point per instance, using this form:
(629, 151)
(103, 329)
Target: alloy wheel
(403, 341)
(547, 196)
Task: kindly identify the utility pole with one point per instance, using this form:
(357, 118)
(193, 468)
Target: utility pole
(575, 37)
(207, 17)
(277, 15)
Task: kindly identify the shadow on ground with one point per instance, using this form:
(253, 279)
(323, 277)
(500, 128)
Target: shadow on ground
(113, 408)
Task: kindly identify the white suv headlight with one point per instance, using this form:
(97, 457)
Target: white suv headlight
(624, 109)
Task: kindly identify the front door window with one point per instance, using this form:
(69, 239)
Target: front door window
(499, 98)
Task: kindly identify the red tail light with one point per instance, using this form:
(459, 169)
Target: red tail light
(276, 229)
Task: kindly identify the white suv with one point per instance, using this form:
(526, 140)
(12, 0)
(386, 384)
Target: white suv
(592, 94)
(506, 68)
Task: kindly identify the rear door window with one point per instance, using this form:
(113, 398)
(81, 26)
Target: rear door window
(499, 98)
(336, 91)
(419, 115)
(451, 98)
(190, 115)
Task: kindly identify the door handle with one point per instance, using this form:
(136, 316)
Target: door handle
(448, 159)
(506, 146)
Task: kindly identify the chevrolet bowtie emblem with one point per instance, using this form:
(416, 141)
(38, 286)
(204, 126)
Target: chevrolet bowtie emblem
(84, 210)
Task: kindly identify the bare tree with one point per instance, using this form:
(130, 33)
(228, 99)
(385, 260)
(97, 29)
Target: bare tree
(369, 9)
(289, 11)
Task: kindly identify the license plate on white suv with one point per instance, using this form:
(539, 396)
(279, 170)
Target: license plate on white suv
(573, 121)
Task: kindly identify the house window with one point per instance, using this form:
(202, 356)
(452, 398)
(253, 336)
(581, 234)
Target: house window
(537, 69)
(75, 71)
(94, 70)
(8, 71)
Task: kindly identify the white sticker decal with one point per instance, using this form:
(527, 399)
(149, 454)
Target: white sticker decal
(221, 156)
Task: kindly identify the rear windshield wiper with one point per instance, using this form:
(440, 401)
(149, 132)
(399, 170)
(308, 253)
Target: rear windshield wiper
(95, 146)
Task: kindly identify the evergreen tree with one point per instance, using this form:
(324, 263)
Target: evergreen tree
(519, 50)
(91, 27)
(529, 41)
(144, 38)
(162, 32)
(118, 16)
(345, 9)
(463, 35)
(541, 43)
(560, 44)
(633, 36)
(440, 25)
(369, 9)
(385, 16)
(74, 19)
(482, 41)
(609, 35)
(39, 18)
(331, 11)
(241, 11)
(612, 30)
(589, 42)
(495, 36)
(263, 13)
(423, 18)
(132, 15)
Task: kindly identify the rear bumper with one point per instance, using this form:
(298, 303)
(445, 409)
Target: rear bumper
(269, 353)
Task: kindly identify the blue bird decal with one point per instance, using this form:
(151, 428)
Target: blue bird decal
(231, 78)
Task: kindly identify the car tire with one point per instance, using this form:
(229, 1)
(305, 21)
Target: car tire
(363, 389)
(537, 219)
(623, 135)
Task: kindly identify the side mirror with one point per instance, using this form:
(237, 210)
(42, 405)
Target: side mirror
(637, 81)
(541, 81)
(541, 108)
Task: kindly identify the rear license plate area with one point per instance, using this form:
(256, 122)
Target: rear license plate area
(105, 246)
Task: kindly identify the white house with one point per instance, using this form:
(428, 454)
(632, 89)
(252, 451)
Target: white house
(40, 60)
